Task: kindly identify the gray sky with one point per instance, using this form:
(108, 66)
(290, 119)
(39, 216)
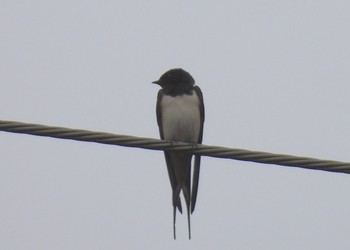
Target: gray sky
(275, 77)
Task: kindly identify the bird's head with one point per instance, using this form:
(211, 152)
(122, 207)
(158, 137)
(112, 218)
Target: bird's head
(174, 79)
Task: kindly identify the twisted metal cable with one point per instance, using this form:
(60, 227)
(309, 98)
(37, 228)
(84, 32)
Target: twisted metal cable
(155, 144)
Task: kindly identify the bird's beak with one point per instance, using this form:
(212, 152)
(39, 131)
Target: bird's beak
(156, 82)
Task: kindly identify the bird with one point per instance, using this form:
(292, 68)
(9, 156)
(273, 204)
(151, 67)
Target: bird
(180, 117)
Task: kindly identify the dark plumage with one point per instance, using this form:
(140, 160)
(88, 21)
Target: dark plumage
(180, 117)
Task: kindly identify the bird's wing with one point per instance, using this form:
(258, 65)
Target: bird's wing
(197, 159)
(169, 164)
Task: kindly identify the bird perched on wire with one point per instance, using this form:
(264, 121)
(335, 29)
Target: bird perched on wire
(180, 117)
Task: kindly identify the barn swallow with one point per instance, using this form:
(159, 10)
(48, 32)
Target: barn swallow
(180, 117)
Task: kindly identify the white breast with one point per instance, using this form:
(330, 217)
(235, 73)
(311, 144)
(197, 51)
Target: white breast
(181, 117)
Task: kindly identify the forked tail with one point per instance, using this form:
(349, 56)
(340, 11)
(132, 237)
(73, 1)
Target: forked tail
(176, 200)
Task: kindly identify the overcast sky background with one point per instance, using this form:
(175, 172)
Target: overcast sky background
(275, 77)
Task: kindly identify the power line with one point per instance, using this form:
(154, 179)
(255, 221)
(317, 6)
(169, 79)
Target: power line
(156, 144)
